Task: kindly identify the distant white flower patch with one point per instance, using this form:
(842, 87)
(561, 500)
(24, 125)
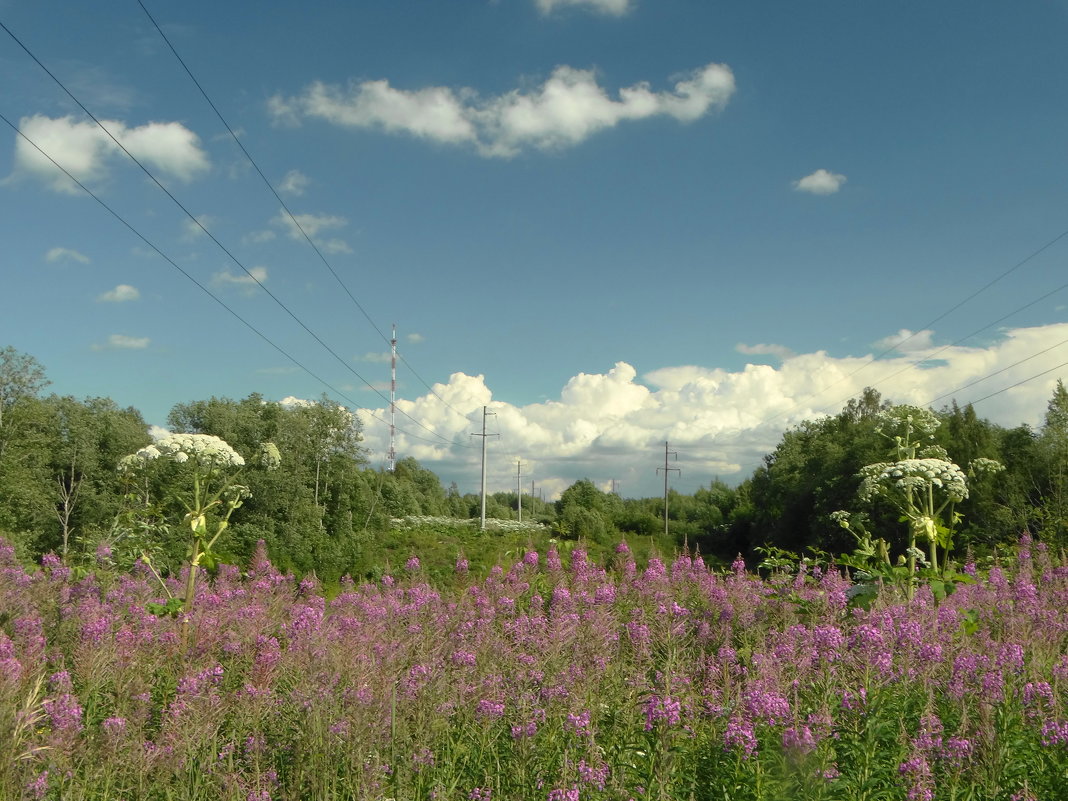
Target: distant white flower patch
(821, 182)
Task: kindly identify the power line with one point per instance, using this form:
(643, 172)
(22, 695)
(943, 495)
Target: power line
(928, 325)
(198, 284)
(953, 344)
(200, 225)
(285, 207)
(1019, 383)
(996, 372)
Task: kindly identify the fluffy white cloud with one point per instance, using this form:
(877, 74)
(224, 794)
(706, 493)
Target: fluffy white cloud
(312, 225)
(616, 8)
(906, 341)
(86, 152)
(294, 183)
(120, 294)
(415, 338)
(123, 342)
(247, 282)
(821, 182)
(194, 229)
(66, 254)
(565, 110)
(376, 358)
(778, 351)
(721, 422)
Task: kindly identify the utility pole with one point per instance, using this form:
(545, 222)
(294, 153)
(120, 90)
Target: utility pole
(615, 489)
(533, 506)
(668, 470)
(393, 400)
(519, 487)
(485, 414)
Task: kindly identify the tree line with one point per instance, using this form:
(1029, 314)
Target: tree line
(326, 509)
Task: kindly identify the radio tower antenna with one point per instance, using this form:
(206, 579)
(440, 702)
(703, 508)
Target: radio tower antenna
(393, 400)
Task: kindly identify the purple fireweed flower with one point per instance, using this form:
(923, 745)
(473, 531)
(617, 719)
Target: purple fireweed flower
(917, 773)
(552, 559)
(1037, 698)
(993, 687)
(37, 788)
(654, 571)
(570, 794)
(114, 727)
(412, 565)
(480, 794)
(769, 707)
(738, 566)
(465, 658)
(531, 558)
(103, 554)
(930, 736)
(595, 776)
(1054, 732)
(60, 682)
(622, 547)
(662, 708)
(490, 709)
(799, 741)
(64, 713)
(956, 751)
(854, 702)
(579, 724)
(462, 565)
(740, 734)
(523, 730)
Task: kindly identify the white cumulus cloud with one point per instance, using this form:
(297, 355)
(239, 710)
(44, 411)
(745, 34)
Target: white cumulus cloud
(66, 254)
(568, 108)
(123, 342)
(906, 341)
(778, 351)
(312, 225)
(120, 294)
(821, 182)
(247, 282)
(87, 153)
(294, 183)
(615, 8)
(613, 425)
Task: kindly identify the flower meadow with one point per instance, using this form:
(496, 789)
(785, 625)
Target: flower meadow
(550, 678)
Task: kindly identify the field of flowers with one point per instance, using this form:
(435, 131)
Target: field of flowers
(546, 679)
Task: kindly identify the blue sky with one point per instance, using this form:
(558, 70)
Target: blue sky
(616, 223)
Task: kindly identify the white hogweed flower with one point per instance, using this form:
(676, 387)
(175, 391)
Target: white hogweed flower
(206, 450)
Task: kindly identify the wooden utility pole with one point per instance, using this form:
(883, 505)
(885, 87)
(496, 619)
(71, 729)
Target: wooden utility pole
(485, 414)
(519, 488)
(668, 470)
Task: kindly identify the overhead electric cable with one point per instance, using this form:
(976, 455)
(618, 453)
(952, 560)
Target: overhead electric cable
(953, 344)
(928, 325)
(198, 284)
(211, 236)
(996, 372)
(1020, 383)
(285, 207)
